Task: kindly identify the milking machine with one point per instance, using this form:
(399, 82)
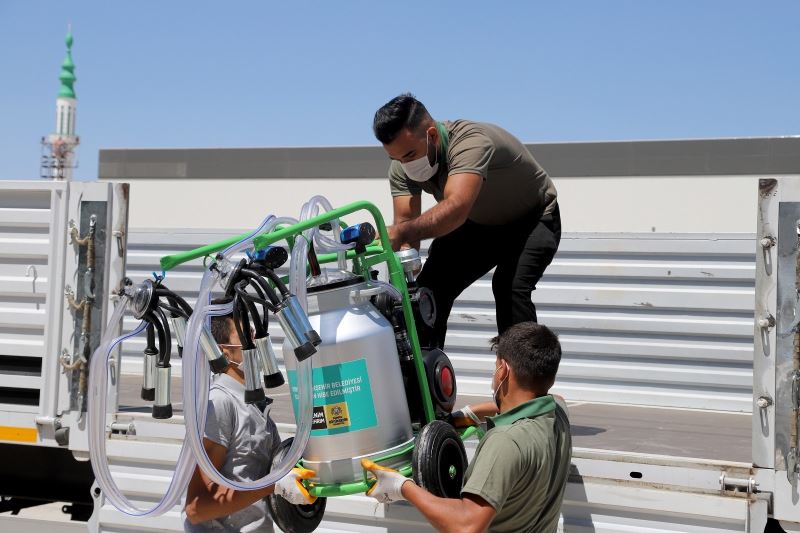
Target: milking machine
(379, 388)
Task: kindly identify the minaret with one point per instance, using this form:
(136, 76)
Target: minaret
(58, 157)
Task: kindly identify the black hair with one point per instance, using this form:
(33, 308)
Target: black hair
(221, 325)
(532, 351)
(403, 111)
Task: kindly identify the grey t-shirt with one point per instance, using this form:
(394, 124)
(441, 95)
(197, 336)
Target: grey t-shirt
(514, 185)
(251, 439)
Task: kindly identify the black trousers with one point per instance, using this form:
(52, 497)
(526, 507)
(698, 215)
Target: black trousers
(519, 252)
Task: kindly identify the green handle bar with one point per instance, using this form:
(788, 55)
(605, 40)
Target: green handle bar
(346, 489)
(264, 240)
(372, 249)
(168, 262)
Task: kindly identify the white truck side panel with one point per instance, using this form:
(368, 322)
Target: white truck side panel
(645, 319)
(672, 496)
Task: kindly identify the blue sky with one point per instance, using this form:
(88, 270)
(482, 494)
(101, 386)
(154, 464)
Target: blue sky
(203, 74)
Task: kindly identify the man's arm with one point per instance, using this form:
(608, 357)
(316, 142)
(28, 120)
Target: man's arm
(460, 194)
(465, 515)
(205, 500)
(484, 409)
(407, 207)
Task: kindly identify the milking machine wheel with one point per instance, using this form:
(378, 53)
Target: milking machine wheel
(439, 461)
(294, 518)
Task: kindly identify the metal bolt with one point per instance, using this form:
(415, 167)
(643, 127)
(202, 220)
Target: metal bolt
(763, 402)
(766, 322)
(767, 242)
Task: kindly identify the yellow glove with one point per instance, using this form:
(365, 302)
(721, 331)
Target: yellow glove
(291, 488)
(388, 482)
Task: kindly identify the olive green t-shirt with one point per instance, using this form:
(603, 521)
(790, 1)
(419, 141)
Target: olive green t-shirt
(514, 185)
(521, 467)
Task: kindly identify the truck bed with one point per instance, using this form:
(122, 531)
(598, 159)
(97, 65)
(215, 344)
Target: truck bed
(622, 428)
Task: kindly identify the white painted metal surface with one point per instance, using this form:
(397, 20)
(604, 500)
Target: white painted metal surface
(28, 212)
(644, 319)
(672, 495)
(36, 324)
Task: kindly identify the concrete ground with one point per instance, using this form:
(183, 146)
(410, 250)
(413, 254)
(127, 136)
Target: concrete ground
(662, 431)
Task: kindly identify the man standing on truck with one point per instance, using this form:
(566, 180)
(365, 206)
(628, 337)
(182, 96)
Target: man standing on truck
(497, 207)
(240, 440)
(517, 478)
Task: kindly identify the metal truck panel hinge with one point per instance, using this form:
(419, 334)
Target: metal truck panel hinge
(796, 389)
(48, 421)
(791, 465)
(748, 485)
(124, 428)
(766, 322)
(119, 234)
(763, 402)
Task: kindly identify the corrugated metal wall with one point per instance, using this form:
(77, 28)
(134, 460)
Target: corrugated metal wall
(648, 319)
(25, 218)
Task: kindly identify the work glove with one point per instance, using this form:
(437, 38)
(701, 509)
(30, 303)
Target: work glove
(291, 488)
(464, 417)
(388, 482)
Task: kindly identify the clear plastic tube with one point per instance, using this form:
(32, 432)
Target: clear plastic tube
(196, 384)
(387, 287)
(195, 388)
(196, 399)
(323, 243)
(96, 420)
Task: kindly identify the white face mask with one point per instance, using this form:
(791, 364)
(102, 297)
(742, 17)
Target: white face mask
(421, 169)
(497, 389)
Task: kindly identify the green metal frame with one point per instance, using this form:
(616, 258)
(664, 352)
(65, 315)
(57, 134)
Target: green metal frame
(373, 255)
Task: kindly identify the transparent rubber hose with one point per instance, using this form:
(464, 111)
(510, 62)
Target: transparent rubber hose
(388, 288)
(195, 392)
(96, 420)
(196, 384)
(312, 208)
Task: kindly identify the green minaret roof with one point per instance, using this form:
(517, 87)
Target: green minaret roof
(67, 75)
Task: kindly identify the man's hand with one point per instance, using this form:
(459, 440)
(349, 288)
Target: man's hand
(397, 237)
(464, 417)
(406, 208)
(388, 485)
(291, 487)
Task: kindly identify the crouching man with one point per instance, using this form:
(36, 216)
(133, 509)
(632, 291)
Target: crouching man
(517, 478)
(240, 440)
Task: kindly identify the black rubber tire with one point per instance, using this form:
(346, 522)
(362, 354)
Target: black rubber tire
(294, 518)
(439, 461)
